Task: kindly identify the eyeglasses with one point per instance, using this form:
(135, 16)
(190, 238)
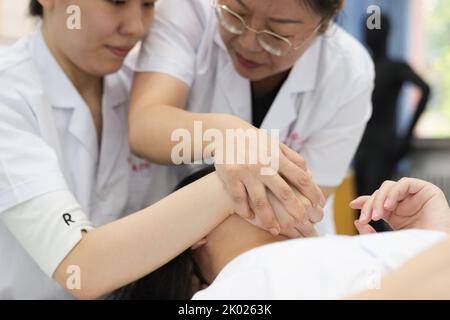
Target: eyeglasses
(271, 42)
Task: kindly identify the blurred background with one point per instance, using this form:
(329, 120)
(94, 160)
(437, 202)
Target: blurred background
(418, 38)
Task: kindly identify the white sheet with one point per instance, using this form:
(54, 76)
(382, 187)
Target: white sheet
(322, 268)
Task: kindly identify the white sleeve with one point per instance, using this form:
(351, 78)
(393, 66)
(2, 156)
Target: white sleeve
(47, 227)
(29, 167)
(329, 151)
(171, 45)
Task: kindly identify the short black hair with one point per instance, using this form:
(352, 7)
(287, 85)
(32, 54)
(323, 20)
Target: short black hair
(327, 9)
(35, 9)
(173, 281)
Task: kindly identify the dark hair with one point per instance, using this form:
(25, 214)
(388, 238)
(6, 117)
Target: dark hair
(173, 281)
(35, 9)
(327, 9)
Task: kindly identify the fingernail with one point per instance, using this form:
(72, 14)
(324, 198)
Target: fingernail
(274, 231)
(376, 214)
(323, 202)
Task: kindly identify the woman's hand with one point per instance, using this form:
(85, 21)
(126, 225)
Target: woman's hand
(290, 227)
(407, 204)
(249, 177)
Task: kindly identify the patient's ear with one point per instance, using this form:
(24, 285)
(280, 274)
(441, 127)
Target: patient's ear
(199, 244)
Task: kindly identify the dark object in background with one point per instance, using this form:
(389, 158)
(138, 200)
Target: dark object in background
(381, 148)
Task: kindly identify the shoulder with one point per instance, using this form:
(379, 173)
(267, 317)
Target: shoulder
(346, 56)
(20, 84)
(18, 72)
(181, 9)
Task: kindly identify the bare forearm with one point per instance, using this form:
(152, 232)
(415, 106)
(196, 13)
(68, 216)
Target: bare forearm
(157, 109)
(151, 131)
(128, 249)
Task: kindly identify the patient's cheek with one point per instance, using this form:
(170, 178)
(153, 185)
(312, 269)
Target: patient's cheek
(204, 260)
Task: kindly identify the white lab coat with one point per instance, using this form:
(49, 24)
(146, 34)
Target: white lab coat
(321, 110)
(48, 144)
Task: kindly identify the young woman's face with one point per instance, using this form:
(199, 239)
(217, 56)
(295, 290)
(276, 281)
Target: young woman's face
(109, 30)
(291, 19)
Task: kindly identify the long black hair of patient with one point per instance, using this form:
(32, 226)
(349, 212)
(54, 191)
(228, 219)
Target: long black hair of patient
(173, 281)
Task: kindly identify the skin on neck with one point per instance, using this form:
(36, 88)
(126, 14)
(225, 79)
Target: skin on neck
(230, 239)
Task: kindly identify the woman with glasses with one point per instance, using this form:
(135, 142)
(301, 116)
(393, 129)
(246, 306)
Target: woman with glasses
(75, 219)
(269, 64)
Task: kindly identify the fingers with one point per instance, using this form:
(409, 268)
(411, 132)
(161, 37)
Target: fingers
(307, 229)
(260, 204)
(358, 203)
(364, 228)
(373, 207)
(379, 210)
(293, 156)
(238, 193)
(402, 189)
(397, 203)
(316, 214)
(302, 180)
(366, 211)
(291, 233)
(286, 197)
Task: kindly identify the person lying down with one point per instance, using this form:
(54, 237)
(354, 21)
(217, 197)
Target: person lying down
(239, 261)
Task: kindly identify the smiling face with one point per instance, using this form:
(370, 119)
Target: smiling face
(109, 30)
(292, 19)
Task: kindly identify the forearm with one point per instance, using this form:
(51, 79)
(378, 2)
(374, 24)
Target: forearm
(123, 251)
(151, 131)
(425, 277)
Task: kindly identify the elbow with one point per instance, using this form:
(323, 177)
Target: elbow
(135, 134)
(134, 138)
(81, 289)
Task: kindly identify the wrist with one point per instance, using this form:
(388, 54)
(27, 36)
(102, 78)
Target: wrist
(222, 122)
(223, 197)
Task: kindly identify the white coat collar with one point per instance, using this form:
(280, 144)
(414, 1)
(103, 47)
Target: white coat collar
(62, 93)
(302, 78)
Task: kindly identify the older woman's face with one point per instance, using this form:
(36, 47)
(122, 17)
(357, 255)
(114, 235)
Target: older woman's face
(109, 30)
(289, 18)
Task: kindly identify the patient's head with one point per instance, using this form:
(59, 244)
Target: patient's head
(182, 277)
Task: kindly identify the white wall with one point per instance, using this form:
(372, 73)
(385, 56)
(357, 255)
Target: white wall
(14, 20)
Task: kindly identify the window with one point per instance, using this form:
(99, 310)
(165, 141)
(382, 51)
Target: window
(14, 21)
(430, 25)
